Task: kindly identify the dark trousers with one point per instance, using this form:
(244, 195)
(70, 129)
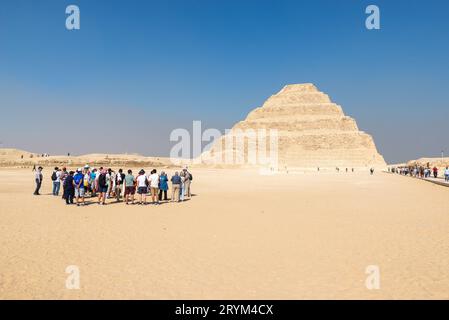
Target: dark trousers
(68, 195)
(160, 194)
(38, 186)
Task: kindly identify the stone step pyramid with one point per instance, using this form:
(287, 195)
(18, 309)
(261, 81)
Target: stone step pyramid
(312, 132)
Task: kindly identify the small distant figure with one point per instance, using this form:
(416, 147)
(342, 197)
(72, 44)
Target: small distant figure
(352, 169)
(68, 154)
(38, 177)
(21, 157)
(371, 171)
(435, 172)
(34, 168)
(338, 169)
(318, 169)
(446, 174)
(346, 170)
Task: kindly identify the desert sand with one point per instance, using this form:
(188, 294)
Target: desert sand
(242, 236)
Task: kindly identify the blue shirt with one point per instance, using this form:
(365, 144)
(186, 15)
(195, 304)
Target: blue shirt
(77, 178)
(163, 185)
(176, 180)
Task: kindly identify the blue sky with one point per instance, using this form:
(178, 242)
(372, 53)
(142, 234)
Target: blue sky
(138, 69)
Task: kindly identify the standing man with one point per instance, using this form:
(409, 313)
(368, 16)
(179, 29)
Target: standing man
(175, 187)
(130, 187)
(119, 184)
(56, 178)
(78, 179)
(69, 188)
(102, 186)
(154, 186)
(142, 187)
(187, 181)
(38, 178)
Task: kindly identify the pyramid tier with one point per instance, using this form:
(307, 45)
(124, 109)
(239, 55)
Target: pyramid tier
(296, 110)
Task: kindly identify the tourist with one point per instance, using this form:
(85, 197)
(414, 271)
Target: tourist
(446, 174)
(142, 187)
(38, 177)
(102, 186)
(435, 172)
(64, 175)
(78, 180)
(119, 179)
(86, 180)
(187, 182)
(69, 188)
(109, 183)
(163, 186)
(154, 186)
(56, 178)
(130, 187)
(182, 191)
(371, 171)
(175, 186)
(93, 182)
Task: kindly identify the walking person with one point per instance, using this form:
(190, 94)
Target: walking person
(446, 174)
(38, 177)
(78, 180)
(130, 187)
(163, 186)
(154, 186)
(142, 187)
(435, 172)
(69, 188)
(56, 178)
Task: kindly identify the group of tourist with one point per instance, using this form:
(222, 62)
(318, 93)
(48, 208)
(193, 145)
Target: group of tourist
(106, 183)
(419, 171)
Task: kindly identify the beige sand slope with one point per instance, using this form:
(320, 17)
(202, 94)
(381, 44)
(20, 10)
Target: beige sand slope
(13, 158)
(242, 236)
(313, 132)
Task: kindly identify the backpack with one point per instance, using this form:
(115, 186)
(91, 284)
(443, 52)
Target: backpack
(102, 180)
(190, 176)
(53, 176)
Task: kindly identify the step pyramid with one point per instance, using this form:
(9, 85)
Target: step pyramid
(312, 131)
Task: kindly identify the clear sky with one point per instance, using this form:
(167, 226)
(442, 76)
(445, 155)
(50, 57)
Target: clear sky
(136, 70)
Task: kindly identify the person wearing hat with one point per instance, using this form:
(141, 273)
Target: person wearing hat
(78, 180)
(142, 186)
(38, 177)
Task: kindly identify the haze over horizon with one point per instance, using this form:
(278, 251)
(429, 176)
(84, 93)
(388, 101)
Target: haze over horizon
(136, 70)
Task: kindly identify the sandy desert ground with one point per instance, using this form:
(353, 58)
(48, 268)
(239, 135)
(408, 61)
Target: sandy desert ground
(243, 236)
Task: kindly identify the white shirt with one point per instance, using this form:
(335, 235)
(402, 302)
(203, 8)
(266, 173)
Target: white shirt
(141, 181)
(58, 176)
(154, 180)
